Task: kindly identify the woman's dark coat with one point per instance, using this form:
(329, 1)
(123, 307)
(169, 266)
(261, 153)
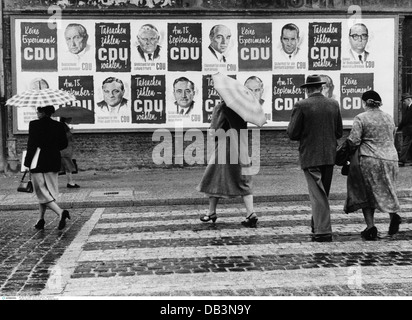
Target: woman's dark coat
(50, 136)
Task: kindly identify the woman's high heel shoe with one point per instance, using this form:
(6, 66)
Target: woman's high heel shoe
(40, 224)
(394, 224)
(370, 234)
(62, 223)
(250, 222)
(207, 218)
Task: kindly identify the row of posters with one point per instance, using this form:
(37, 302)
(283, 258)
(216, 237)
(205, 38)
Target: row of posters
(148, 74)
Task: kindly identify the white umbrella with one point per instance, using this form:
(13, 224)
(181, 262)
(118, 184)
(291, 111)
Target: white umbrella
(239, 98)
(40, 98)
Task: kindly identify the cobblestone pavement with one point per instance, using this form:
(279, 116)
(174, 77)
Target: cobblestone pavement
(26, 255)
(167, 251)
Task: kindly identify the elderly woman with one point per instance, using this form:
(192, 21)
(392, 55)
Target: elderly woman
(50, 136)
(374, 187)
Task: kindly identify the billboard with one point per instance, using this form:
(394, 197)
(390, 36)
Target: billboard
(145, 74)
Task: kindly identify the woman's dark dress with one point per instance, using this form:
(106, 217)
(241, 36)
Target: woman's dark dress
(226, 180)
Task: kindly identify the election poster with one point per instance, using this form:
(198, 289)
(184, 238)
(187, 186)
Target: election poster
(286, 92)
(211, 98)
(112, 100)
(353, 86)
(185, 47)
(184, 99)
(113, 47)
(149, 47)
(76, 47)
(38, 47)
(148, 99)
(141, 73)
(220, 46)
(255, 46)
(325, 45)
(33, 81)
(290, 45)
(260, 84)
(82, 109)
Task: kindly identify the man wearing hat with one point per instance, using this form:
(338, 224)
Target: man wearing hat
(406, 127)
(316, 122)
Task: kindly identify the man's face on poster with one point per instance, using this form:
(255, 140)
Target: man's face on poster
(184, 93)
(289, 40)
(74, 40)
(328, 87)
(113, 93)
(255, 87)
(148, 40)
(358, 38)
(220, 39)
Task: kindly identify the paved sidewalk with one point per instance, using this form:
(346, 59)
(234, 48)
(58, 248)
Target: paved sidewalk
(125, 238)
(172, 186)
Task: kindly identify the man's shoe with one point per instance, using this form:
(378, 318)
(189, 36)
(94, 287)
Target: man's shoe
(322, 238)
(71, 186)
(401, 164)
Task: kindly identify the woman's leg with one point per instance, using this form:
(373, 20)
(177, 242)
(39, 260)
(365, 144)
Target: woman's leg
(248, 200)
(69, 177)
(396, 220)
(42, 211)
(212, 210)
(251, 218)
(212, 205)
(368, 214)
(63, 214)
(55, 207)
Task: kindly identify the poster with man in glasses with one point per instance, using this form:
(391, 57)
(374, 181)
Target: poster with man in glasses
(358, 40)
(358, 51)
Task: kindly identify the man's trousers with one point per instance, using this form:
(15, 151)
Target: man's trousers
(406, 151)
(319, 180)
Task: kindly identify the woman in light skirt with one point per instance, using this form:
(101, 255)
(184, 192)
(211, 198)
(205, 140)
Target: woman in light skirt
(50, 136)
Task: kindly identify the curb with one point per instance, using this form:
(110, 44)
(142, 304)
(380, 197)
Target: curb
(180, 201)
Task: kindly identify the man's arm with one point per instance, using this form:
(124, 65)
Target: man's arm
(294, 129)
(339, 126)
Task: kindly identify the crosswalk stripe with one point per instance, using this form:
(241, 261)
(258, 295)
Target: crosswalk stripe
(242, 250)
(243, 232)
(226, 219)
(355, 278)
(169, 238)
(149, 213)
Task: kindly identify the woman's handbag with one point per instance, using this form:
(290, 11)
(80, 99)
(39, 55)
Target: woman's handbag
(345, 169)
(25, 186)
(342, 154)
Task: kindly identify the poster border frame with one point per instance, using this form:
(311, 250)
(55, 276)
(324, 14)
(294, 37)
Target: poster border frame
(240, 16)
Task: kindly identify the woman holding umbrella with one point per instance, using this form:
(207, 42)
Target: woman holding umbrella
(229, 178)
(50, 136)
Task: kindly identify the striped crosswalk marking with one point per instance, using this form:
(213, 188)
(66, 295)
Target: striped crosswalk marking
(151, 251)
